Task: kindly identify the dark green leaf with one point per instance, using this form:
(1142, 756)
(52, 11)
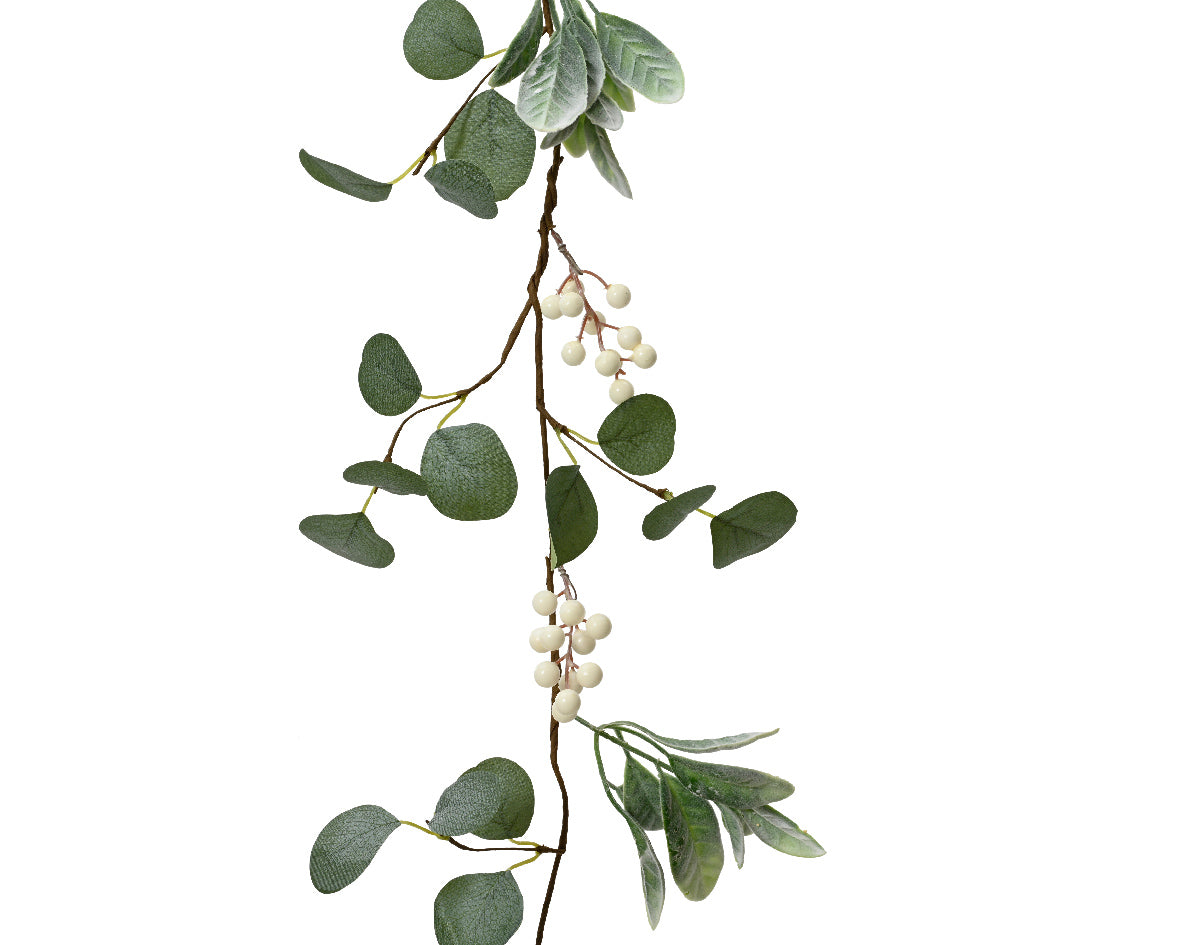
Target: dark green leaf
(595, 70)
(619, 93)
(735, 787)
(489, 134)
(554, 138)
(751, 526)
(694, 839)
(344, 180)
(576, 143)
(573, 515)
(699, 746)
(737, 831)
(464, 185)
(465, 805)
(605, 113)
(521, 50)
(469, 476)
(387, 379)
(479, 909)
(443, 40)
(778, 832)
(639, 59)
(348, 844)
(350, 536)
(641, 794)
(389, 477)
(662, 520)
(514, 790)
(638, 435)
(606, 163)
(553, 89)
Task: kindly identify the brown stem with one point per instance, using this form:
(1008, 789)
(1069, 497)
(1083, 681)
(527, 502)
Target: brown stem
(430, 148)
(535, 847)
(549, 29)
(562, 428)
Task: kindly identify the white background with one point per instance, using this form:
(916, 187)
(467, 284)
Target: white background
(914, 264)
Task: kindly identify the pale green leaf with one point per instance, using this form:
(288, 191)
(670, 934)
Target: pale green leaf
(521, 50)
(737, 831)
(781, 834)
(641, 794)
(605, 113)
(662, 520)
(347, 846)
(479, 909)
(698, 746)
(639, 59)
(553, 89)
(350, 536)
(694, 839)
(469, 475)
(554, 138)
(730, 785)
(344, 180)
(389, 477)
(576, 143)
(489, 134)
(619, 93)
(639, 434)
(387, 379)
(596, 72)
(751, 526)
(603, 156)
(464, 185)
(443, 40)
(572, 513)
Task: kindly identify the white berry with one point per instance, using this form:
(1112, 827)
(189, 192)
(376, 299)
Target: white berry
(607, 362)
(571, 612)
(545, 602)
(568, 702)
(591, 327)
(570, 304)
(599, 626)
(546, 639)
(547, 675)
(643, 356)
(589, 675)
(621, 390)
(582, 642)
(629, 336)
(560, 716)
(618, 295)
(573, 353)
(551, 307)
(569, 681)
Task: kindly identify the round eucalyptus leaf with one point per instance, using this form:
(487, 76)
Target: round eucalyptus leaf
(469, 475)
(465, 185)
(387, 379)
(638, 435)
(514, 812)
(662, 520)
(443, 40)
(751, 526)
(479, 909)
(350, 536)
(347, 845)
(489, 134)
(572, 513)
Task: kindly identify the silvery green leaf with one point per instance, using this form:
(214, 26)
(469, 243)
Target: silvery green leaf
(605, 113)
(742, 788)
(572, 514)
(479, 909)
(619, 93)
(662, 520)
(781, 834)
(469, 475)
(464, 185)
(347, 845)
(350, 536)
(344, 180)
(641, 794)
(389, 477)
(442, 40)
(606, 163)
(521, 50)
(489, 134)
(694, 839)
(553, 89)
(514, 790)
(751, 526)
(554, 138)
(387, 379)
(576, 143)
(639, 59)
(737, 831)
(596, 72)
(698, 746)
(468, 803)
(639, 435)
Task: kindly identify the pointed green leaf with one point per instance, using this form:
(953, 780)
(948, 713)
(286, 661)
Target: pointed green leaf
(350, 536)
(778, 832)
(751, 526)
(639, 59)
(619, 93)
(390, 477)
(638, 435)
(553, 89)
(606, 163)
(576, 143)
(469, 475)
(464, 185)
(699, 746)
(479, 909)
(443, 40)
(515, 800)
(737, 831)
(572, 512)
(596, 72)
(605, 113)
(489, 134)
(521, 50)
(662, 520)
(387, 379)
(348, 844)
(554, 138)
(730, 785)
(344, 180)
(694, 839)
(641, 794)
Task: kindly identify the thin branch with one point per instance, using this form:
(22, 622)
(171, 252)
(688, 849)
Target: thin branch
(549, 29)
(433, 146)
(562, 428)
(540, 848)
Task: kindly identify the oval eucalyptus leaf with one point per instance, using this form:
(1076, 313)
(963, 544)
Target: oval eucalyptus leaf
(694, 839)
(464, 185)
(515, 800)
(662, 520)
(468, 803)
(781, 834)
(733, 786)
(554, 138)
(572, 513)
(387, 379)
(344, 180)
(479, 909)
(605, 113)
(596, 72)
(638, 435)
(606, 163)
(641, 794)
(489, 134)
(639, 59)
(553, 89)
(350, 536)
(751, 526)
(443, 40)
(469, 475)
(521, 50)
(389, 477)
(737, 831)
(698, 746)
(619, 93)
(576, 143)
(348, 844)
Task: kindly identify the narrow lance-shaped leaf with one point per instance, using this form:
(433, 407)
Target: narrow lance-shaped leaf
(553, 89)
(694, 839)
(639, 59)
(554, 138)
(596, 71)
(730, 785)
(521, 50)
(489, 134)
(344, 180)
(606, 163)
(737, 831)
(697, 746)
(389, 477)
(347, 845)
(442, 40)
(387, 379)
(662, 520)
(464, 185)
(641, 794)
(469, 475)
(605, 113)
(751, 526)
(781, 834)
(572, 513)
(479, 909)
(350, 536)
(639, 435)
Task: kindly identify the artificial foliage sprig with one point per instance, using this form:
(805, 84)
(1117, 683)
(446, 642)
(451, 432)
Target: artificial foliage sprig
(577, 78)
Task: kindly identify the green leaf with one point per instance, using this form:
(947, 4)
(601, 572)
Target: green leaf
(737, 831)
(344, 180)
(620, 94)
(521, 50)
(573, 515)
(479, 909)
(554, 138)
(469, 475)
(387, 379)
(350, 536)
(694, 839)
(605, 113)
(596, 72)
(514, 790)
(639, 59)
(553, 89)
(606, 163)
(390, 477)
(781, 834)
(751, 526)
(489, 134)
(443, 40)
(638, 435)
(576, 143)
(465, 185)
(735, 787)
(348, 844)
(662, 520)
(641, 794)
(699, 746)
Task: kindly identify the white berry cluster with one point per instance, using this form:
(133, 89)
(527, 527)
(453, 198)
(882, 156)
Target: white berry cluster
(571, 301)
(582, 633)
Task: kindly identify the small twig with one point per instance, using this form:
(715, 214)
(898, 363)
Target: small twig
(540, 848)
(562, 428)
(433, 146)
